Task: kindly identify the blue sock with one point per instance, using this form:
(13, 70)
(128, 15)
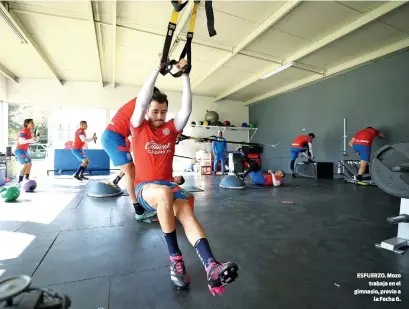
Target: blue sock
(172, 242)
(203, 251)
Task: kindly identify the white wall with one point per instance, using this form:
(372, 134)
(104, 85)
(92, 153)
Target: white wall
(93, 95)
(3, 89)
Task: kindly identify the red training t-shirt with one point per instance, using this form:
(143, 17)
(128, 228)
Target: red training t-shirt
(121, 122)
(301, 141)
(269, 179)
(366, 136)
(25, 134)
(78, 143)
(153, 151)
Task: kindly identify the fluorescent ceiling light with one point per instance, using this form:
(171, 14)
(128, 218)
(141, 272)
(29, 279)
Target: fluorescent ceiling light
(278, 70)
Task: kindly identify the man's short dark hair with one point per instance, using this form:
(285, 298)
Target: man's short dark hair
(27, 122)
(83, 122)
(182, 180)
(160, 97)
(312, 135)
(282, 172)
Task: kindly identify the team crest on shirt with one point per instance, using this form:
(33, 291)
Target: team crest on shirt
(166, 131)
(128, 156)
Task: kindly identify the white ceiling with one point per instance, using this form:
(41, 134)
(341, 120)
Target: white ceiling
(77, 41)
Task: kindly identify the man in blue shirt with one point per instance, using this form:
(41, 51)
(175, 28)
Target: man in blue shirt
(219, 147)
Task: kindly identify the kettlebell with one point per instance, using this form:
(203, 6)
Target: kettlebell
(10, 194)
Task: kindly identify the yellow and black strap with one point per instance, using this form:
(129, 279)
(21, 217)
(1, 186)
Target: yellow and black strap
(183, 137)
(187, 50)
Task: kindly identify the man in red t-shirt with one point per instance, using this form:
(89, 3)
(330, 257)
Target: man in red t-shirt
(302, 144)
(361, 143)
(25, 138)
(153, 145)
(78, 151)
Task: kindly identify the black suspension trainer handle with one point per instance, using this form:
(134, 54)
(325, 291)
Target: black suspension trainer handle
(187, 50)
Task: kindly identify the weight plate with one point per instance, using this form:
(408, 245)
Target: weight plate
(13, 286)
(384, 161)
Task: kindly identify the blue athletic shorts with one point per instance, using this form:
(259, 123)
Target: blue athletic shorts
(295, 151)
(177, 192)
(257, 178)
(23, 156)
(79, 154)
(115, 146)
(364, 152)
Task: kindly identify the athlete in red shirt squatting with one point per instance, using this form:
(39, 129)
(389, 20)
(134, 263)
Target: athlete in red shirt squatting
(300, 146)
(78, 152)
(153, 140)
(361, 143)
(25, 138)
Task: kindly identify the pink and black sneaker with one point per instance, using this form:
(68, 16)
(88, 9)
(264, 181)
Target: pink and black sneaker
(219, 275)
(178, 275)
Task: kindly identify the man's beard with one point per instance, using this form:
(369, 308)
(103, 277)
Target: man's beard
(157, 123)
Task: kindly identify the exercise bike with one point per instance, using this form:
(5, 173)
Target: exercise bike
(17, 293)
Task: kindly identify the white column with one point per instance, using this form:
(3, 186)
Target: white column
(403, 228)
(107, 116)
(4, 125)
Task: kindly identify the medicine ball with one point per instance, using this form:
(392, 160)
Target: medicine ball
(252, 125)
(212, 116)
(193, 123)
(30, 185)
(10, 194)
(226, 123)
(218, 123)
(201, 123)
(244, 125)
(205, 123)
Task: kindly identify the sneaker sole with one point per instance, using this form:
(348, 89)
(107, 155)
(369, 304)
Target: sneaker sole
(180, 287)
(145, 218)
(229, 274)
(150, 220)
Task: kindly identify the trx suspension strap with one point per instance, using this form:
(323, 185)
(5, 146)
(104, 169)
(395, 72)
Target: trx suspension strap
(187, 50)
(183, 137)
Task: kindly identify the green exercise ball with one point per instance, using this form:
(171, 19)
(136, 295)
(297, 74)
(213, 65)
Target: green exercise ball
(10, 194)
(252, 125)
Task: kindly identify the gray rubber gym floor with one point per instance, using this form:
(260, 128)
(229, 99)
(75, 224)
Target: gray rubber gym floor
(296, 246)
